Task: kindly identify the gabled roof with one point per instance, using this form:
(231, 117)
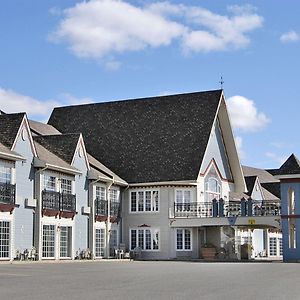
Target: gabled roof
(9, 127)
(9, 154)
(250, 182)
(62, 145)
(290, 167)
(145, 140)
(263, 175)
(38, 128)
(51, 160)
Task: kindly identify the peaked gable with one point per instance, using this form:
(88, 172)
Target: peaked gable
(62, 145)
(145, 140)
(9, 128)
(216, 151)
(290, 167)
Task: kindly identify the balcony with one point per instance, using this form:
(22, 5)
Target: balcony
(221, 208)
(55, 203)
(101, 210)
(7, 193)
(7, 197)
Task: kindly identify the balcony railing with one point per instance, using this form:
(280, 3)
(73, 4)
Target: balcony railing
(115, 209)
(58, 201)
(101, 208)
(67, 202)
(221, 208)
(7, 193)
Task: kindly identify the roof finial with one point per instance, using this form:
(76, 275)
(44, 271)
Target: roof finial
(221, 82)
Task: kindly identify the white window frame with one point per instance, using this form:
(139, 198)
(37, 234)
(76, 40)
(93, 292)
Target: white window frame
(153, 232)
(3, 243)
(154, 207)
(183, 239)
(100, 194)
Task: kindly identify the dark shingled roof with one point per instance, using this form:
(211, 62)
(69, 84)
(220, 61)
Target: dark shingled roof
(62, 145)
(273, 188)
(145, 140)
(250, 182)
(290, 167)
(10, 124)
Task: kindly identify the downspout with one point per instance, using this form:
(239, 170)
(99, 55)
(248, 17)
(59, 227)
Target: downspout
(108, 223)
(92, 216)
(39, 204)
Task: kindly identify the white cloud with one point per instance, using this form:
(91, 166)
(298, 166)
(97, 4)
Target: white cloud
(13, 102)
(99, 28)
(113, 65)
(290, 36)
(244, 114)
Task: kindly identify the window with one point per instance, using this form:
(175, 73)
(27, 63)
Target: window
(48, 241)
(100, 193)
(183, 240)
(146, 239)
(66, 186)
(100, 242)
(292, 235)
(183, 200)
(4, 239)
(65, 241)
(5, 174)
(291, 202)
(280, 246)
(144, 201)
(113, 241)
(49, 183)
(273, 246)
(114, 195)
(212, 189)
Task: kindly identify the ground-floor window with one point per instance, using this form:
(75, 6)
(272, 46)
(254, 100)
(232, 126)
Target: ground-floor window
(183, 239)
(146, 239)
(48, 249)
(99, 242)
(65, 241)
(4, 239)
(292, 235)
(273, 246)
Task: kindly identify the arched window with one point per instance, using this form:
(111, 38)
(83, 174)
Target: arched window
(291, 201)
(212, 188)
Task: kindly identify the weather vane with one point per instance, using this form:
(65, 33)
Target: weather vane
(221, 82)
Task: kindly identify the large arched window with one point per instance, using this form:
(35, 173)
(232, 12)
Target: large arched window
(212, 185)
(212, 189)
(291, 201)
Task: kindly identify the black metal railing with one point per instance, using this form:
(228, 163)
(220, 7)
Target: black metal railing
(221, 208)
(67, 202)
(101, 208)
(7, 193)
(58, 201)
(115, 208)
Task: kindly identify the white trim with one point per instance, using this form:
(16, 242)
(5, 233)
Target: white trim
(144, 211)
(291, 176)
(81, 143)
(152, 232)
(160, 183)
(28, 133)
(183, 240)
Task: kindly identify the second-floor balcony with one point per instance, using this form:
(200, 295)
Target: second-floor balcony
(102, 210)
(58, 202)
(221, 208)
(7, 193)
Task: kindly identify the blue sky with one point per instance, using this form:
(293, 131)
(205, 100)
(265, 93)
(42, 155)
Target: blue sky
(67, 52)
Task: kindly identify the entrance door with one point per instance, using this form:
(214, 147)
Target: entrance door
(4, 239)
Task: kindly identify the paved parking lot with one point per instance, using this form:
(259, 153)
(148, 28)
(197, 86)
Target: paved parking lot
(149, 280)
